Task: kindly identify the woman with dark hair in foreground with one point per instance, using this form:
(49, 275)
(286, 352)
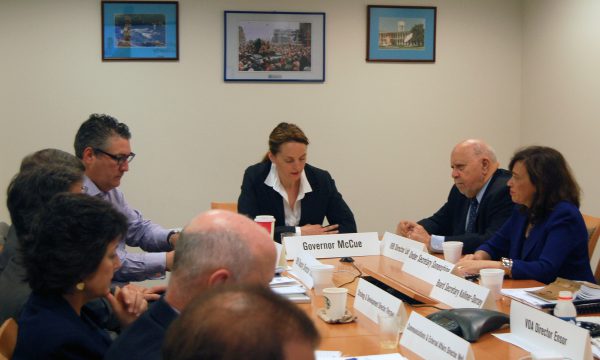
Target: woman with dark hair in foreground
(70, 259)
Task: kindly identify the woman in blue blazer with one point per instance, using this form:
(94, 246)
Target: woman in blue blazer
(545, 237)
(70, 259)
(298, 195)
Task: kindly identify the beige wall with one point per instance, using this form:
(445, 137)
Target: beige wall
(383, 130)
(561, 86)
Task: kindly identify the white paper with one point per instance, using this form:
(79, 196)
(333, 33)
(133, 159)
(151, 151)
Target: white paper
(285, 290)
(326, 355)
(283, 281)
(515, 340)
(331, 355)
(523, 296)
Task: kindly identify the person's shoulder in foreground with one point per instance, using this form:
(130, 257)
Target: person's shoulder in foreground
(143, 339)
(71, 337)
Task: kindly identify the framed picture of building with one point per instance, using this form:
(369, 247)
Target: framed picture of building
(137, 30)
(274, 46)
(401, 33)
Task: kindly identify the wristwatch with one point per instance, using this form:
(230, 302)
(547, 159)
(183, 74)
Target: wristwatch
(507, 264)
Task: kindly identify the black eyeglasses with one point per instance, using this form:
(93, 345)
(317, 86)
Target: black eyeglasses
(119, 159)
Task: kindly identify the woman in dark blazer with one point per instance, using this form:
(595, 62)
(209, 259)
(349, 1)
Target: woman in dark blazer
(70, 259)
(298, 195)
(545, 237)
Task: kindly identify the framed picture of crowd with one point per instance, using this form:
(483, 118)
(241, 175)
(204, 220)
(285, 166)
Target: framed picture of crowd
(274, 46)
(401, 33)
(137, 30)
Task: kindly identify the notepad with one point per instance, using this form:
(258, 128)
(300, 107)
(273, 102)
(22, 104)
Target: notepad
(290, 288)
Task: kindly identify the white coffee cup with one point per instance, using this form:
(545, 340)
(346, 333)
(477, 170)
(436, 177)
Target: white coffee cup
(452, 251)
(492, 279)
(267, 222)
(335, 302)
(322, 275)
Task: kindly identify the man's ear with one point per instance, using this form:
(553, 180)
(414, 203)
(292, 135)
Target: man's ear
(88, 155)
(218, 277)
(485, 165)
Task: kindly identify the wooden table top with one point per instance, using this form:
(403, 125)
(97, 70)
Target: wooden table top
(361, 338)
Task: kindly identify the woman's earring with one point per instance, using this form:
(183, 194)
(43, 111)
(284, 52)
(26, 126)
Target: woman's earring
(80, 286)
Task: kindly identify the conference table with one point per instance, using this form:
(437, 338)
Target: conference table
(361, 337)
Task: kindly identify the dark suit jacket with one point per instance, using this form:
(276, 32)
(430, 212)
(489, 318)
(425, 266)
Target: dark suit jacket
(495, 207)
(323, 201)
(49, 328)
(556, 247)
(10, 248)
(14, 290)
(144, 338)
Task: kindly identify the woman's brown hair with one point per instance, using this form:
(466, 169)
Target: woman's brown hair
(552, 177)
(283, 133)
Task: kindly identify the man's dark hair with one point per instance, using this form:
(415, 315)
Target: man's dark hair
(50, 157)
(550, 174)
(30, 190)
(232, 321)
(69, 240)
(95, 131)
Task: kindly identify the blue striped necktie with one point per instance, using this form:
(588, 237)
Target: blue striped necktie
(472, 215)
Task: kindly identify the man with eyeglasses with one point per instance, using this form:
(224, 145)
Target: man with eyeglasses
(102, 144)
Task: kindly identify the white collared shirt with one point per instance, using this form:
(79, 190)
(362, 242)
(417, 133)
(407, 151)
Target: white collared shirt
(292, 216)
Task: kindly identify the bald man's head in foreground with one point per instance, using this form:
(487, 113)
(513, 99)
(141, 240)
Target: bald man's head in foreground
(219, 247)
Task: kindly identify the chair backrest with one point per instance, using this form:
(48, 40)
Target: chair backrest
(231, 206)
(8, 338)
(593, 227)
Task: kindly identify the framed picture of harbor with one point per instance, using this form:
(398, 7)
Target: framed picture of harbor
(136, 30)
(274, 46)
(401, 33)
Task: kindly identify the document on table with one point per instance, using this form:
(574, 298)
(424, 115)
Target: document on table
(337, 355)
(595, 341)
(524, 296)
(515, 340)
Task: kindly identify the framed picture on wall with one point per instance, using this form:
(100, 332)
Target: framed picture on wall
(274, 46)
(401, 33)
(136, 30)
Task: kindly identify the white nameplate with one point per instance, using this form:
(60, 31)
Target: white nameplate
(460, 293)
(301, 268)
(547, 332)
(397, 247)
(335, 245)
(425, 266)
(431, 341)
(371, 300)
